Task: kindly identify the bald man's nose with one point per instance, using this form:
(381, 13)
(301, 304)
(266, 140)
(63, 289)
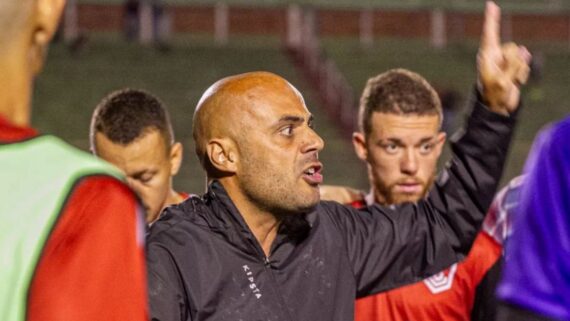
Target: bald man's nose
(313, 142)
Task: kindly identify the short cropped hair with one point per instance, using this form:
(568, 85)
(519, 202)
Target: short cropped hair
(400, 92)
(127, 114)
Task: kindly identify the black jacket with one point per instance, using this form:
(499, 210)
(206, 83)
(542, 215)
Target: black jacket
(205, 264)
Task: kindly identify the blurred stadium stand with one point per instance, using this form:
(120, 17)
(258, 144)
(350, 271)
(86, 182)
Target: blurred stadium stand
(510, 5)
(335, 45)
(524, 19)
(71, 85)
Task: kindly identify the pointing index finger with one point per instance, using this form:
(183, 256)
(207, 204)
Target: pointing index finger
(490, 37)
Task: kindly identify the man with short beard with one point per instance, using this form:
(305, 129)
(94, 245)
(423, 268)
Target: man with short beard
(400, 136)
(260, 245)
(400, 139)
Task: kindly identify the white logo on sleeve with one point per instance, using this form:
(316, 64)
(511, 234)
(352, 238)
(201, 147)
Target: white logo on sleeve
(251, 280)
(440, 282)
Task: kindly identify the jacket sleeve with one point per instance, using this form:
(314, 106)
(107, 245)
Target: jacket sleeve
(485, 302)
(507, 312)
(166, 292)
(497, 225)
(390, 247)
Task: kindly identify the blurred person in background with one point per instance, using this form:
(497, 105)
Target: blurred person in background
(535, 283)
(131, 129)
(260, 245)
(131, 19)
(72, 241)
(159, 24)
(400, 138)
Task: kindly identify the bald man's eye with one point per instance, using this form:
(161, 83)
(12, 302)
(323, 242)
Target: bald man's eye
(287, 131)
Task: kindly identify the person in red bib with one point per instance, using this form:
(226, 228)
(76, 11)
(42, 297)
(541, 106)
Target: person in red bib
(72, 243)
(131, 129)
(400, 139)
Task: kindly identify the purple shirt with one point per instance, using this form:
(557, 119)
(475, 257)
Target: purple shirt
(536, 275)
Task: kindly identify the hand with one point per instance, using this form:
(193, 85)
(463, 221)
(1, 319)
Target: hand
(502, 69)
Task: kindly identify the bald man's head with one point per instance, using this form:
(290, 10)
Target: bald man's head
(230, 106)
(26, 28)
(13, 18)
(255, 135)
(24, 23)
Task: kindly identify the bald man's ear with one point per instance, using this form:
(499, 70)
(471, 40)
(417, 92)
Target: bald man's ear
(46, 20)
(221, 155)
(48, 13)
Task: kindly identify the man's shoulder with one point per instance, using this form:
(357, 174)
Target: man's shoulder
(98, 187)
(49, 154)
(498, 222)
(51, 170)
(358, 207)
(181, 219)
(10, 133)
(344, 214)
(333, 208)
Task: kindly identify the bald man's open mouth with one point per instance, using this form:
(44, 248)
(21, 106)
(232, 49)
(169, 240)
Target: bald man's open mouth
(312, 174)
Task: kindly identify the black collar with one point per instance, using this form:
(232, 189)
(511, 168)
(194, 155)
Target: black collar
(293, 228)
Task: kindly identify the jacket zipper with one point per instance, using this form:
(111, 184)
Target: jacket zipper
(267, 264)
(285, 307)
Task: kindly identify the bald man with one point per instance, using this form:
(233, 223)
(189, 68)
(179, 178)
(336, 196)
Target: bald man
(259, 245)
(71, 241)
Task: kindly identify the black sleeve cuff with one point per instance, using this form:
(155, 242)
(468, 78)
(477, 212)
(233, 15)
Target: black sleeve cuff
(485, 129)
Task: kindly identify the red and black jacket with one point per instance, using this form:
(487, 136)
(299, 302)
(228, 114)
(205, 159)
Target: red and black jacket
(205, 264)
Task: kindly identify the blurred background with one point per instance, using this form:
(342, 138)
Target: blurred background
(326, 48)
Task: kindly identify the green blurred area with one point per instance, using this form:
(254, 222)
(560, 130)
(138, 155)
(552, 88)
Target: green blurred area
(453, 68)
(71, 85)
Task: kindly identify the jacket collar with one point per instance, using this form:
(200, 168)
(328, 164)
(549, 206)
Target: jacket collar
(222, 204)
(227, 217)
(10, 133)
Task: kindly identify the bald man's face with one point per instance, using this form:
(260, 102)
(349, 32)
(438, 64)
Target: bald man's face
(278, 166)
(26, 27)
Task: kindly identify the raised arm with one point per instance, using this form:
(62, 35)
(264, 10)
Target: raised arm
(392, 247)
(502, 68)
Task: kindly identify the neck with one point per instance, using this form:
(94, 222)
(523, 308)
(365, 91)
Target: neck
(15, 92)
(374, 197)
(263, 227)
(370, 198)
(173, 198)
(263, 224)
